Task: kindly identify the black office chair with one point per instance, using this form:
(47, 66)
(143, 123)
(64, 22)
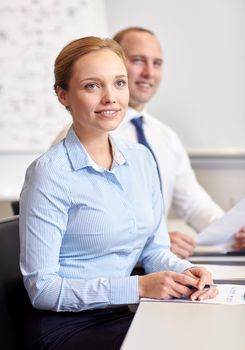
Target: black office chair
(15, 205)
(14, 301)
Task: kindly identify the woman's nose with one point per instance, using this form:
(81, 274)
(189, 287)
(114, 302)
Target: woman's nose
(108, 97)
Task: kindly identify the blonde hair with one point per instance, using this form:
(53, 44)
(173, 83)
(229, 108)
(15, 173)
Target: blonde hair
(76, 49)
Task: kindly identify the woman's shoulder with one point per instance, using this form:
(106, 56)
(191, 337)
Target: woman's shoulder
(132, 151)
(52, 159)
(129, 146)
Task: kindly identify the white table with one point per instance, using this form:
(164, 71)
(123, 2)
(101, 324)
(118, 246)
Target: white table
(186, 326)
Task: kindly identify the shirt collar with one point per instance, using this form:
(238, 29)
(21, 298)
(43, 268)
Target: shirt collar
(80, 158)
(118, 157)
(132, 113)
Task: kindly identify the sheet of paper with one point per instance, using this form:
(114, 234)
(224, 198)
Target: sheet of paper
(212, 249)
(222, 230)
(228, 294)
(226, 272)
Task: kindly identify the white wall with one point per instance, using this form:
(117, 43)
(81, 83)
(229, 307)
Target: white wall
(222, 177)
(202, 95)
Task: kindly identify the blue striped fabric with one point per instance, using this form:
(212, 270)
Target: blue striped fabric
(82, 228)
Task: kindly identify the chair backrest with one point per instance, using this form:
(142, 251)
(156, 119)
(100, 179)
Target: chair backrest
(15, 205)
(13, 296)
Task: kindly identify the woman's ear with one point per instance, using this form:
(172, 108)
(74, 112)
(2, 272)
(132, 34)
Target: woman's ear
(62, 96)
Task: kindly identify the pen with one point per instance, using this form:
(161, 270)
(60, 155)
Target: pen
(205, 286)
(210, 285)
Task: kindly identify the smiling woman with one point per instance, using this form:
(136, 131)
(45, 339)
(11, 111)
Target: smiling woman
(90, 208)
(96, 92)
(93, 87)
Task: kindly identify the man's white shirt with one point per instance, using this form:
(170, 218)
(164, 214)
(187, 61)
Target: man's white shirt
(181, 189)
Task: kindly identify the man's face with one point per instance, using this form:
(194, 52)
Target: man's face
(144, 65)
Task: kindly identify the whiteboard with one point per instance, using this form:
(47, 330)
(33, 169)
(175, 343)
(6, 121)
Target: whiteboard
(32, 32)
(202, 95)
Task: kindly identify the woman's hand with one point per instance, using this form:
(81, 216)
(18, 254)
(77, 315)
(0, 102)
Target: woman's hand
(204, 277)
(167, 285)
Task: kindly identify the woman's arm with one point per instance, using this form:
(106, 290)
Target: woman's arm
(168, 276)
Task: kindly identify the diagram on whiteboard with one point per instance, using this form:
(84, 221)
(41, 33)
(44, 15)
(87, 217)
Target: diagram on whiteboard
(32, 32)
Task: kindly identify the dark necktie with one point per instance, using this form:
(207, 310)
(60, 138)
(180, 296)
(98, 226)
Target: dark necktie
(138, 123)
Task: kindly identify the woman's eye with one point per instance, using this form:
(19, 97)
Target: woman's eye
(91, 86)
(121, 83)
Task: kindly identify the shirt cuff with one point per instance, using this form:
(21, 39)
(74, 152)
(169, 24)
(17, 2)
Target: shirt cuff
(183, 265)
(124, 290)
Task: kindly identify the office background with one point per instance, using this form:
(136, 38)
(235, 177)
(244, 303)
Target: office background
(201, 96)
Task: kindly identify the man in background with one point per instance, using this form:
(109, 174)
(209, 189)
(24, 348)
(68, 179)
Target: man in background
(181, 191)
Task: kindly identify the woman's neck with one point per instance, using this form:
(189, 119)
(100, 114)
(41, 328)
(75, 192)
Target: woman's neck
(99, 148)
(100, 153)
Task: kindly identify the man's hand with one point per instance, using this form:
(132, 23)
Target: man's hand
(181, 244)
(240, 239)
